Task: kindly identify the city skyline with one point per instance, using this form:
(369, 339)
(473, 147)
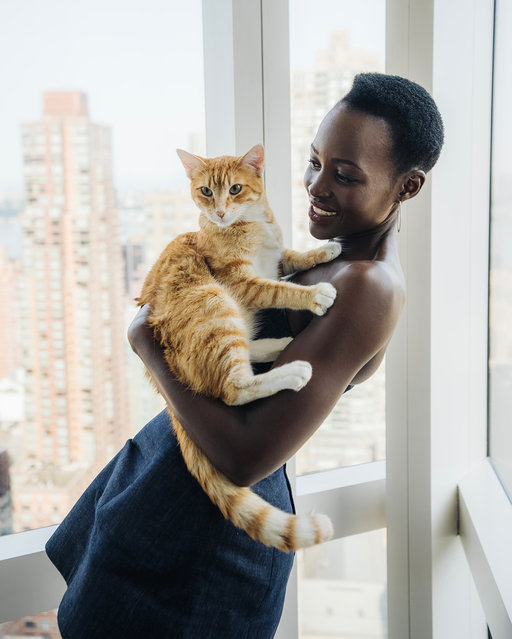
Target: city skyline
(342, 585)
(75, 151)
(134, 74)
(58, 151)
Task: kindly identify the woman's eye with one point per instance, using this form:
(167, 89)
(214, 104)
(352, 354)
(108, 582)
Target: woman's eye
(206, 191)
(313, 163)
(235, 189)
(345, 179)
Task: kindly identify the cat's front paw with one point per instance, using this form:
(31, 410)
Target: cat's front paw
(294, 375)
(329, 252)
(323, 298)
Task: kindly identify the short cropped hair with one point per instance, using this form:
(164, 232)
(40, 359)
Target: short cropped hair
(414, 120)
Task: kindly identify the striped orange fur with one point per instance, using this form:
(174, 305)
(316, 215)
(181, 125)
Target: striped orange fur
(204, 291)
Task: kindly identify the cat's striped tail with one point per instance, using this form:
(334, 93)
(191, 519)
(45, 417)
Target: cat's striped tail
(247, 510)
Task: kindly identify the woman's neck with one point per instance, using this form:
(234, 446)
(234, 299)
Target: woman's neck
(365, 244)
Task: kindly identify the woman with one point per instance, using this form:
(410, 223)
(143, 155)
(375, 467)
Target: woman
(144, 552)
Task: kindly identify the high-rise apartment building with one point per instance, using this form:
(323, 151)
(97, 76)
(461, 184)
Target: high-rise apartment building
(71, 294)
(9, 273)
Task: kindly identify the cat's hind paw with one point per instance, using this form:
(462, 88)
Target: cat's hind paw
(323, 298)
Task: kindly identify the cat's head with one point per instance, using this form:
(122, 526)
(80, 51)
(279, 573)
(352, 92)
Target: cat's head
(227, 189)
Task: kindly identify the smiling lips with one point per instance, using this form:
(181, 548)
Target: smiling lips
(318, 214)
(322, 211)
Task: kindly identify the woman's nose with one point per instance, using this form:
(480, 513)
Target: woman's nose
(318, 185)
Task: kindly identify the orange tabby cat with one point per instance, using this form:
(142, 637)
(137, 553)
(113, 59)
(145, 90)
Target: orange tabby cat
(204, 291)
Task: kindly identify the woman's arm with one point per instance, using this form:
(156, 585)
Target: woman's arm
(248, 442)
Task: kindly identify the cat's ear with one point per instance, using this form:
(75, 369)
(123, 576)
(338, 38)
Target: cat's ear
(255, 158)
(192, 163)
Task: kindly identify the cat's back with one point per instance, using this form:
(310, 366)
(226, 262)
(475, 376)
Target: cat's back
(180, 265)
(181, 249)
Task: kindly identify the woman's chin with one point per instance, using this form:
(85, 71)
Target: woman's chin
(324, 231)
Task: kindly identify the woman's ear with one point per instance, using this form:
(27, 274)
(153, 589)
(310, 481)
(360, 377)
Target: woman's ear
(411, 184)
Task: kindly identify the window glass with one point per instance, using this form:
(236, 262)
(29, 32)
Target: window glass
(342, 588)
(91, 189)
(500, 321)
(328, 46)
(42, 625)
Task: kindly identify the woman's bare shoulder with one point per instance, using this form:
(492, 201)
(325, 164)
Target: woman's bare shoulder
(366, 280)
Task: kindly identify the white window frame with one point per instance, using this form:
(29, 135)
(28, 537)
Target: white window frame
(436, 381)
(437, 366)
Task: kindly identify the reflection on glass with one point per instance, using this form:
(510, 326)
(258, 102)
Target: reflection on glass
(500, 321)
(91, 190)
(327, 48)
(342, 589)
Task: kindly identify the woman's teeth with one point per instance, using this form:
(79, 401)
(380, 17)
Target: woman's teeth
(322, 212)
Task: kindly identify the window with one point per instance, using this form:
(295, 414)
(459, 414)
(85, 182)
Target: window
(500, 334)
(342, 588)
(64, 262)
(327, 48)
(41, 625)
(436, 373)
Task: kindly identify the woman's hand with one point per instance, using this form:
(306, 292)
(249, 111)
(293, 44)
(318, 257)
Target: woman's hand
(140, 335)
(147, 348)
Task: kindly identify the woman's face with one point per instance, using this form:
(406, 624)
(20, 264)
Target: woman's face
(351, 178)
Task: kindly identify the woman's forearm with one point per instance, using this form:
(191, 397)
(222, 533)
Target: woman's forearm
(246, 443)
(220, 431)
(241, 441)
(224, 433)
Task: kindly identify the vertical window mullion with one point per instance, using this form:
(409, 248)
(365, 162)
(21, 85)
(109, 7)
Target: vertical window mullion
(233, 76)
(437, 362)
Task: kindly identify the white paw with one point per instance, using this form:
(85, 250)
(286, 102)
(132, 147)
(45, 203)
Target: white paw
(294, 375)
(331, 251)
(324, 297)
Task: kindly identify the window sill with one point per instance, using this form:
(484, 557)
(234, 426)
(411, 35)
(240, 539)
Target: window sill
(29, 582)
(353, 497)
(485, 523)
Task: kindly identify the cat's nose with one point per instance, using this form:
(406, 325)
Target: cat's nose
(221, 214)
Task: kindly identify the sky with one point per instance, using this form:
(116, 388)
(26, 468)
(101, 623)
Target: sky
(140, 64)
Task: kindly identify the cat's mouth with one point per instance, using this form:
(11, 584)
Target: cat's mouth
(224, 220)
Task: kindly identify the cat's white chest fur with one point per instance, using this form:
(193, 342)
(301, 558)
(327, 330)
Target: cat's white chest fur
(266, 260)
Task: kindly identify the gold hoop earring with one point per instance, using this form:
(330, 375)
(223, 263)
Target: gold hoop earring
(399, 216)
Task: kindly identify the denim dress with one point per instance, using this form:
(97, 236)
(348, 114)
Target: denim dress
(146, 554)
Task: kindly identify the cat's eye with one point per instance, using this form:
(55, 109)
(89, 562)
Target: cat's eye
(206, 191)
(235, 189)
